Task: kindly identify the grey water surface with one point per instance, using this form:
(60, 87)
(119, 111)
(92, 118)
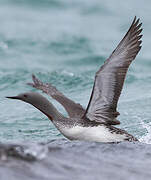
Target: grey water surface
(61, 159)
(64, 43)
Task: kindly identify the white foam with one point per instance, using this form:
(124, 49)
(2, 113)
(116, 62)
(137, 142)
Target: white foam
(147, 137)
(3, 45)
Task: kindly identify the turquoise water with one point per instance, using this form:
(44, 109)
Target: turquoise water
(65, 43)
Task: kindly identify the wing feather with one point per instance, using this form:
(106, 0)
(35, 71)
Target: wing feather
(110, 78)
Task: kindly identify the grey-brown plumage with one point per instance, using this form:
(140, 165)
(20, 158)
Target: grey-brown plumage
(94, 123)
(73, 109)
(108, 82)
(110, 77)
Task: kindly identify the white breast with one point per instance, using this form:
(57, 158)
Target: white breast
(96, 133)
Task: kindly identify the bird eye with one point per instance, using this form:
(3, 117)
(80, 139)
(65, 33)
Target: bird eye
(25, 95)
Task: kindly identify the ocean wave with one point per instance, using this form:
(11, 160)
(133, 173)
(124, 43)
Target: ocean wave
(70, 160)
(11, 79)
(70, 45)
(37, 3)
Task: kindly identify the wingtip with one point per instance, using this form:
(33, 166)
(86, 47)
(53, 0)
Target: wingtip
(33, 77)
(30, 84)
(137, 21)
(134, 19)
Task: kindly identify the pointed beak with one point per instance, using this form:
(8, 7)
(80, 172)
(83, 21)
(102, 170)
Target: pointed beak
(13, 97)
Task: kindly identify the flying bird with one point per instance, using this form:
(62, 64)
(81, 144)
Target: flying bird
(96, 122)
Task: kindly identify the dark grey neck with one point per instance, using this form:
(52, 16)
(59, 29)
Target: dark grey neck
(47, 108)
(51, 112)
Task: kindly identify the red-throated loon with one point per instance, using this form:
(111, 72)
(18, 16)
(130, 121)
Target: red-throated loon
(96, 122)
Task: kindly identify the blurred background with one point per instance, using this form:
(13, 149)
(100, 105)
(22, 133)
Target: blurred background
(64, 43)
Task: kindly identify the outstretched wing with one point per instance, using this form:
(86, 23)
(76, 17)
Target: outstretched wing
(73, 109)
(110, 78)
